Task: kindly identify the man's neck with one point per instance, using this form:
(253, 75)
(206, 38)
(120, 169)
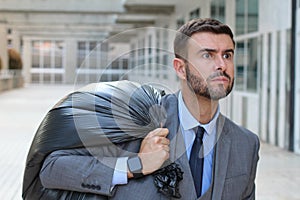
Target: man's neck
(202, 108)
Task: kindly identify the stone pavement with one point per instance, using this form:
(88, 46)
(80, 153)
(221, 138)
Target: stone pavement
(21, 111)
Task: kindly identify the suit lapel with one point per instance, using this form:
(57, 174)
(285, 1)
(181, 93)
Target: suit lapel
(178, 151)
(169, 103)
(182, 159)
(222, 157)
(177, 146)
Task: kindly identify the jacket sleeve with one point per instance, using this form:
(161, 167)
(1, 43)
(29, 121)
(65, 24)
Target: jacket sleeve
(249, 193)
(78, 170)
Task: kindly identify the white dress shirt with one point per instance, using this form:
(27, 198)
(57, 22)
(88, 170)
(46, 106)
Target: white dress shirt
(187, 124)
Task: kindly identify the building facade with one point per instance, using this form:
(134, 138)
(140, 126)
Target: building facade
(261, 100)
(266, 96)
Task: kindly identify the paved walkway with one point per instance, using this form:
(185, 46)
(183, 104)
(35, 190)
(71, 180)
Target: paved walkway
(22, 110)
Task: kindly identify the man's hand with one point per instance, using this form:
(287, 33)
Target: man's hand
(154, 150)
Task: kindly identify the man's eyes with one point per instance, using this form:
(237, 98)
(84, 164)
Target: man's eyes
(206, 55)
(227, 56)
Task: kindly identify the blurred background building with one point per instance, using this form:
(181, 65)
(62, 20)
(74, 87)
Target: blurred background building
(84, 41)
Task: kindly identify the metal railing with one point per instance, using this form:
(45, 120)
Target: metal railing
(9, 73)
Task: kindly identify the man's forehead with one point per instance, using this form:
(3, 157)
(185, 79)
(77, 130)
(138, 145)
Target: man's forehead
(211, 40)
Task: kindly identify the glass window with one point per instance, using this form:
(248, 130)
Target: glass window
(35, 78)
(47, 78)
(195, 13)
(252, 16)
(58, 78)
(239, 62)
(240, 17)
(246, 16)
(132, 56)
(35, 54)
(115, 64)
(252, 64)
(114, 77)
(125, 63)
(58, 60)
(179, 22)
(247, 62)
(149, 44)
(47, 61)
(104, 78)
(93, 45)
(217, 10)
(85, 57)
(35, 61)
(81, 45)
(47, 55)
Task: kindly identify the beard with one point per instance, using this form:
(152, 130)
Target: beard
(202, 87)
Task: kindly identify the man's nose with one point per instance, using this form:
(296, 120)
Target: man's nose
(220, 63)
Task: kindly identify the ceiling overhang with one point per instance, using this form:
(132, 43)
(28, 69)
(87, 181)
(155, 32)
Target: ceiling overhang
(145, 9)
(108, 17)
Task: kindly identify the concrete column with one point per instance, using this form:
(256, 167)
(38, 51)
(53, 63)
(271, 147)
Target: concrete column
(297, 95)
(273, 90)
(16, 40)
(146, 55)
(70, 64)
(205, 8)
(27, 60)
(264, 89)
(282, 90)
(230, 17)
(3, 46)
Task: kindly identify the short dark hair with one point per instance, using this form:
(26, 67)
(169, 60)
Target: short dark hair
(196, 26)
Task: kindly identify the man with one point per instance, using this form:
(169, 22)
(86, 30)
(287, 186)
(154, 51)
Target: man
(226, 167)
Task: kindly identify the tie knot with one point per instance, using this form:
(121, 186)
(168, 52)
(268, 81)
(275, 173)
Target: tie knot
(200, 132)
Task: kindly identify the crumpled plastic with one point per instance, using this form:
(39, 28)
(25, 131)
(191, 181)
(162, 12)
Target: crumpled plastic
(167, 180)
(98, 114)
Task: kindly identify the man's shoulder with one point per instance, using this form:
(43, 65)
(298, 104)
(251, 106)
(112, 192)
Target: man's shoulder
(238, 130)
(171, 96)
(169, 100)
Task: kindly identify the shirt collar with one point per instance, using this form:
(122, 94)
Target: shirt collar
(189, 122)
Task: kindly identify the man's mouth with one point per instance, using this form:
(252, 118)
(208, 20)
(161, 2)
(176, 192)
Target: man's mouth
(220, 79)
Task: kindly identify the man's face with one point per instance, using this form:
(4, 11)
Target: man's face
(209, 66)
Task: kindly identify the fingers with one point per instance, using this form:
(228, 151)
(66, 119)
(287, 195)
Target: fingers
(158, 136)
(163, 140)
(156, 140)
(154, 150)
(166, 148)
(162, 132)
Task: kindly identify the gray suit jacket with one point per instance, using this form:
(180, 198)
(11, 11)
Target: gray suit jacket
(236, 157)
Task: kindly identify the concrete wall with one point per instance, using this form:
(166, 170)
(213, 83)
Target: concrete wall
(297, 86)
(274, 15)
(10, 80)
(3, 43)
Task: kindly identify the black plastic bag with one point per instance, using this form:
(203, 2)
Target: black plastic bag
(98, 114)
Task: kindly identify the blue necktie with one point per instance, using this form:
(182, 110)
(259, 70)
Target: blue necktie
(196, 160)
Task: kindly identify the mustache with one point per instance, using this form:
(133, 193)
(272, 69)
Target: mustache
(218, 74)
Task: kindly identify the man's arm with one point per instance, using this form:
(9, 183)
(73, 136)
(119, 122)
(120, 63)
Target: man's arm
(249, 193)
(78, 170)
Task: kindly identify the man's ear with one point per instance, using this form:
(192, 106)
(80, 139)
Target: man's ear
(179, 66)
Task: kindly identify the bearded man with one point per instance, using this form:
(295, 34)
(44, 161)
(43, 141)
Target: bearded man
(217, 157)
